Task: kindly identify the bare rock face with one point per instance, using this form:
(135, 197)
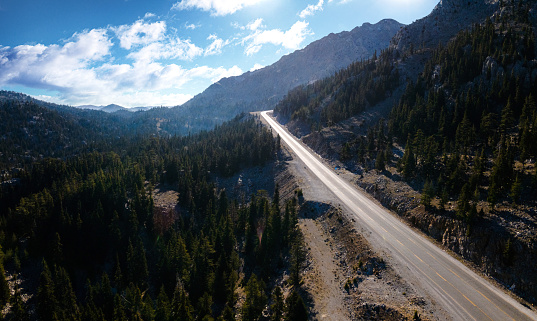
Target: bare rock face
(264, 87)
(444, 22)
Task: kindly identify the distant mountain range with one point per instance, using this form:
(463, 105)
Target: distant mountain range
(264, 88)
(112, 108)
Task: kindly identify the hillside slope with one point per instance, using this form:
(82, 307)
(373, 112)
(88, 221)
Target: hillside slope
(450, 130)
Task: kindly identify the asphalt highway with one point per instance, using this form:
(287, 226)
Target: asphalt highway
(464, 294)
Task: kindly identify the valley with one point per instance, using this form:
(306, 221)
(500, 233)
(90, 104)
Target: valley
(382, 173)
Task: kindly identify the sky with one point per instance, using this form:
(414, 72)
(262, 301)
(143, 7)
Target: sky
(163, 52)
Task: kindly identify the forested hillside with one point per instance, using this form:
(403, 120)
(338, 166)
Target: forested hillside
(96, 124)
(462, 133)
(81, 238)
(349, 92)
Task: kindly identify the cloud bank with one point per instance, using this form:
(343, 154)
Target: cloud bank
(311, 9)
(290, 39)
(83, 70)
(142, 63)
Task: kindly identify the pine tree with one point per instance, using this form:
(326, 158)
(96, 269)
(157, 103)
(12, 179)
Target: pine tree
(119, 310)
(492, 197)
(502, 170)
(57, 250)
(4, 286)
(444, 198)
(507, 117)
(142, 274)
(298, 257)
(296, 309)
(427, 193)
(204, 305)
(255, 299)
(181, 306)
(516, 190)
(118, 276)
(380, 162)
(67, 306)
(278, 305)
(47, 304)
(163, 306)
(227, 314)
(409, 161)
(463, 204)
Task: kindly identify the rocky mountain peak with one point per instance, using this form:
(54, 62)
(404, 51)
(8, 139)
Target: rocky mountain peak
(444, 22)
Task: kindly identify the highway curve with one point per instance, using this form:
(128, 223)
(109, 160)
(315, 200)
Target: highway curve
(461, 292)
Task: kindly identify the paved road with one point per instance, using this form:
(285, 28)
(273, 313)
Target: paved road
(461, 292)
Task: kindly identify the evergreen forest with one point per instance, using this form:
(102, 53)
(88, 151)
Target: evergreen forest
(81, 237)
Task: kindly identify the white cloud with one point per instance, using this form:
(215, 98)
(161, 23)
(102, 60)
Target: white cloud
(214, 74)
(82, 71)
(311, 9)
(174, 48)
(216, 7)
(191, 26)
(216, 46)
(139, 33)
(254, 25)
(290, 39)
(257, 67)
(149, 15)
(55, 66)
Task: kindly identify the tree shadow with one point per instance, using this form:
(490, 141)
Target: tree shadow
(313, 209)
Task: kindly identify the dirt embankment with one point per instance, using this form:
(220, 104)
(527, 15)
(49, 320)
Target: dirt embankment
(345, 278)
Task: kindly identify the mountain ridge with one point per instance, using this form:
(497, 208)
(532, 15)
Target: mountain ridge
(446, 19)
(112, 108)
(263, 88)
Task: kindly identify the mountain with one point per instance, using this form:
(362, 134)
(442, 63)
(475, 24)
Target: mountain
(90, 107)
(321, 58)
(252, 91)
(112, 108)
(263, 88)
(445, 21)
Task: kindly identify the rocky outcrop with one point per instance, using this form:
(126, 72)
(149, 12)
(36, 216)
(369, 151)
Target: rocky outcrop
(445, 21)
(489, 243)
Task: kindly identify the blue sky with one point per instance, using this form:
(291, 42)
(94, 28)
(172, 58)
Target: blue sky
(163, 52)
